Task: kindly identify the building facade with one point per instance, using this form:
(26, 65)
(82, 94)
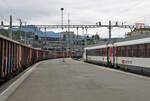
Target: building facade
(72, 42)
(138, 31)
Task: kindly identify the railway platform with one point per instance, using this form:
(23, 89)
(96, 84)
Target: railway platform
(54, 80)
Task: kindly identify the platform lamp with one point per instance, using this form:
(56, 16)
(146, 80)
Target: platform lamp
(62, 9)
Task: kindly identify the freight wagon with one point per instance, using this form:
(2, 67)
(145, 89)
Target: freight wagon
(15, 57)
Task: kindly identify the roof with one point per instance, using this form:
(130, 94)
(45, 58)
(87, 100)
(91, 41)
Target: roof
(96, 47)
(49, 34)
(25, 29)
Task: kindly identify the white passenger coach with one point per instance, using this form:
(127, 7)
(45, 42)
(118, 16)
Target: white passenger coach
(132, 55)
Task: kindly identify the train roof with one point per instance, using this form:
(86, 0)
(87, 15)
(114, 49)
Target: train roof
(141, 36)
(133, 42)
(95, 47)
(138, 39)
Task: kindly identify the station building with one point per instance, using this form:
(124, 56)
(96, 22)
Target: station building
(138, 31)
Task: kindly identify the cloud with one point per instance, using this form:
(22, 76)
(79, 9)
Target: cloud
(80, 11)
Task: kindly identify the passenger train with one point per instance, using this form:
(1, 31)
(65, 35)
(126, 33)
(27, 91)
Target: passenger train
(132, 55)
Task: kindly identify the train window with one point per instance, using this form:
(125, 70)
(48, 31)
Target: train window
(145, 45)
(129, 51)
(116, 52)
(88, 52)
(94, 52)
(97, 52)
(103, 52)
(135, 50)
(148, 50)
(126, 52)
(100, 52)
(123, 51)
(91, 52)
(141, 51)
(119, 51)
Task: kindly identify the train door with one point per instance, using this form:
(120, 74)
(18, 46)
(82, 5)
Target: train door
(111, 55)
(115, 57)
(108, 54)
(114, 53)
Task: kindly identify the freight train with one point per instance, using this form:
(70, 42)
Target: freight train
(15, 57)
(131, 55)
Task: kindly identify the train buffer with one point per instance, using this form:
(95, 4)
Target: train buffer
(54, 80)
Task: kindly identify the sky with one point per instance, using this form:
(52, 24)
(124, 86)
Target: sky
(79, 11)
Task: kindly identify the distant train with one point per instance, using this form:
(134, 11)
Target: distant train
(76, 54)
(73, 54)
(132, 55)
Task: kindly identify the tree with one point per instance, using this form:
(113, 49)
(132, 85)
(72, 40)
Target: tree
(4, 32)
(95, 37)
(15, 34)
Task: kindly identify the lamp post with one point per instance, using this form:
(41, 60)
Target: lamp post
(20, 22)
(62, 9)
(25, 35)
(10, 27)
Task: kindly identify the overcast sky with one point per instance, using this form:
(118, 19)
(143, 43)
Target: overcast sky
(80, 11)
